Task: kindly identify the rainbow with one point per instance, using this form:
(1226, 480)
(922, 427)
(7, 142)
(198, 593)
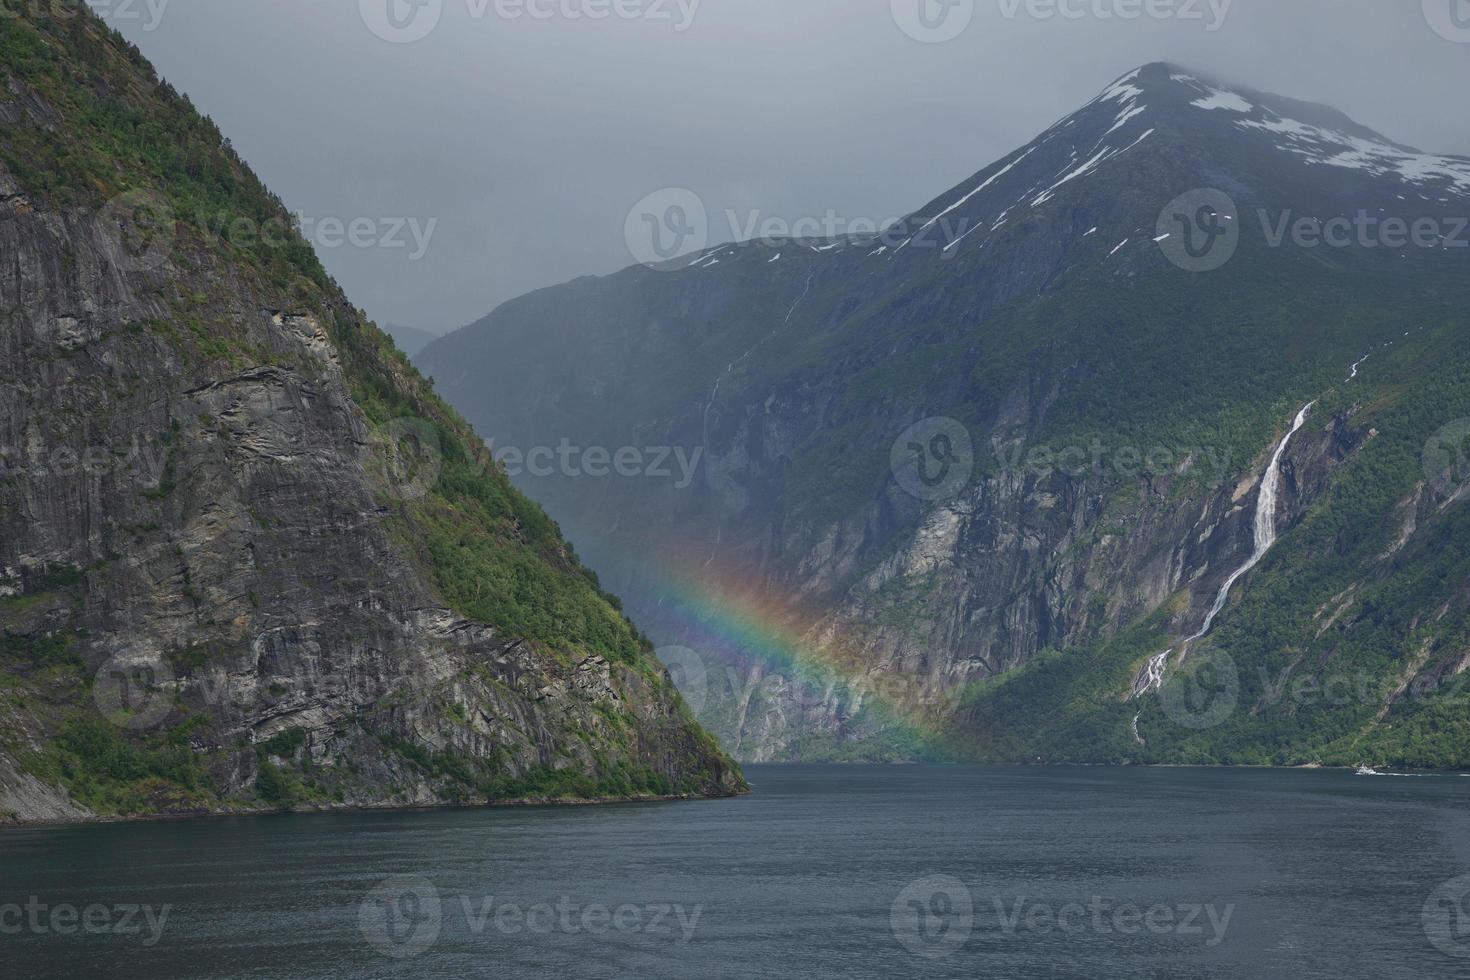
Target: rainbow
(740, 625)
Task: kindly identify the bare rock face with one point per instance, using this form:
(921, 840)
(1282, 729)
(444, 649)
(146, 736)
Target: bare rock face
(206, 542)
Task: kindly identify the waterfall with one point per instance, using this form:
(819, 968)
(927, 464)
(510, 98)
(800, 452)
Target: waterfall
(1152, 677)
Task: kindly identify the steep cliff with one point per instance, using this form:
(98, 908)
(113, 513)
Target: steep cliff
(247, 557)
(969, 475)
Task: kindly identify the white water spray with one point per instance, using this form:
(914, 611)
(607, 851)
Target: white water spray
(1265, 536)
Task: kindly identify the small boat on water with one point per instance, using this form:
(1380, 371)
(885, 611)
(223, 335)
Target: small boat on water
(1368, 771)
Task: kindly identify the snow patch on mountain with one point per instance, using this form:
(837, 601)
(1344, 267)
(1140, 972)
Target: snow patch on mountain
(1223, 99)
(1330, 148)
(1123, 88)
(966, 198)
(1103, 156)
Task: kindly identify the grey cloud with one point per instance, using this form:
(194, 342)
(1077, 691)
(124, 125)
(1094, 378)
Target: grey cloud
(529, 139)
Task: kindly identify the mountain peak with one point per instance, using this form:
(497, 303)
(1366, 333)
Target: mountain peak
(1174, 94)
(1217, 133)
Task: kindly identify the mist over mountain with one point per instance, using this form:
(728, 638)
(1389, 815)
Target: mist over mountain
(410, 340)
(785, 108)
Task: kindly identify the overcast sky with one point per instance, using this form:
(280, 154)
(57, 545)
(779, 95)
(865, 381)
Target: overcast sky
(509, 150)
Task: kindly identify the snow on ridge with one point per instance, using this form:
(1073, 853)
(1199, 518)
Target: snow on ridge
(1331, 148)
(965, 198)
(1219, 98)
(1128, 113)
(1122, 88)
(1103, 156)
(710, 258)
(1086, 168)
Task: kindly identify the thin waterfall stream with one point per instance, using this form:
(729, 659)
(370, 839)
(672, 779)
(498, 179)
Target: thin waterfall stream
(1152, 677)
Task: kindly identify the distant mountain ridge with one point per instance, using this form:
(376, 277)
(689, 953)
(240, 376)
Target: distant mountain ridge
(1150, 274)
(410, 340)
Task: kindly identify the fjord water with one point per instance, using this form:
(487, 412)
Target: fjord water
(852, 872)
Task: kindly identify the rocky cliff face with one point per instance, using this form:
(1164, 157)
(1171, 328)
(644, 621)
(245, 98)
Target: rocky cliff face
(1010, 434)
(1017, 564)
(219, 587)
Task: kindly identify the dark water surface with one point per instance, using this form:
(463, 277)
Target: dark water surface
(850, 872)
